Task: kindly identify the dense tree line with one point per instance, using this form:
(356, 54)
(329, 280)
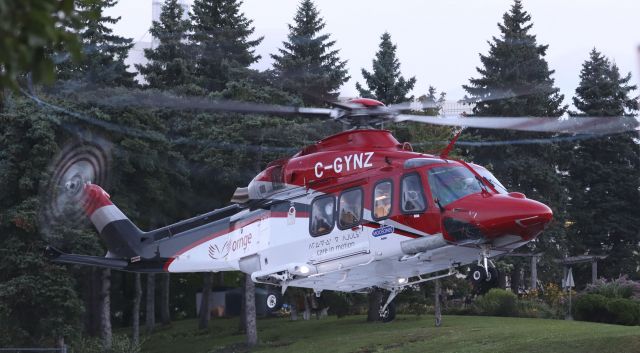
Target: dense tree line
(172, 163)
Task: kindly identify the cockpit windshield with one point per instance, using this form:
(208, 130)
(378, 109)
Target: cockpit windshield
(490, 178)
(450, 183)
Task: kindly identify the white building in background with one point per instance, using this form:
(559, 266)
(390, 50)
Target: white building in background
(146, 41)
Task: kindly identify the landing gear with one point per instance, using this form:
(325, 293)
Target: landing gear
(482, 279)
(483, 275)
(387, 311)
(273, 301)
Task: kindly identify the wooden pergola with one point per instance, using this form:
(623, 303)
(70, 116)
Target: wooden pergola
(568, 263)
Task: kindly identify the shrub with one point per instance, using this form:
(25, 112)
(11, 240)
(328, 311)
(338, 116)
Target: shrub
(591, 307)
(120, 344)
(497, 302)
(621, 287)
(535, 309)
(624, 311)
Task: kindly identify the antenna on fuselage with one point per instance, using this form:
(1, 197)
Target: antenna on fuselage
(445, 152)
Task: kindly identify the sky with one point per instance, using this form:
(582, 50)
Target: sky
(439, 42)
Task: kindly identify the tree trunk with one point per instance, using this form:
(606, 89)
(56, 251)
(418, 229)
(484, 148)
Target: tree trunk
(243, 307)
(293, 302)
(374, 299)
(438, 304)
(205, 311)
(92, 285)
(60, 343)
(105, 314)
(502, 280)
(307, 307)
(515, 277)
(165, 313)
(150, 322)
(220, 279)
(250, 311)
(137, 298)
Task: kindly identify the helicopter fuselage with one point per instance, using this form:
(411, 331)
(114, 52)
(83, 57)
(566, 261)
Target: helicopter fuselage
(356, 210)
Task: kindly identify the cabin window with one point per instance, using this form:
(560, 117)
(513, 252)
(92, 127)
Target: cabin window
(412, 196)
(322, 215)
(350, 208)
(382, 199)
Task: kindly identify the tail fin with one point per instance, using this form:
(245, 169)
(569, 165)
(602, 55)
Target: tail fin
(122, 237)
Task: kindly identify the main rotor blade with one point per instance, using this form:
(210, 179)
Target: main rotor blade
(151, 99)
(578, 125)
(415, 106)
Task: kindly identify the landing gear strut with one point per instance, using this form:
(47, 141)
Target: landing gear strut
(387, 311)
(483, 275)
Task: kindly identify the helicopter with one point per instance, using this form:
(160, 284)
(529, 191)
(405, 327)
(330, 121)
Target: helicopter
(354, 211)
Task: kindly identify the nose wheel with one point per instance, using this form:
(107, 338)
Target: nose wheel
(483, 275)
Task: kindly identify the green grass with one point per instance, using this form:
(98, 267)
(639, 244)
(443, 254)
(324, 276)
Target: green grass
(472, 334)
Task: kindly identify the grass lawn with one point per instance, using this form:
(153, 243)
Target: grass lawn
(472, 334)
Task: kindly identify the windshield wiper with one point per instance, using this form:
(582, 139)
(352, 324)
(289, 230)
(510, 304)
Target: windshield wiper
(483, 186)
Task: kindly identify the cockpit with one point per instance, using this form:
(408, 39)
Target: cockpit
(453, 182)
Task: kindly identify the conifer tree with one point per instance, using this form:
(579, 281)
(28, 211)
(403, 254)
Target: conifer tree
(385, 82)
(515, 67)
(169, 65)
(515, 80)
(104, 52)
(38, 301)
(221, 42)
(604, 173)
(308, 65)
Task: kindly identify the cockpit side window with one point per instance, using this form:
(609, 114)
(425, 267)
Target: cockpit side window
(350, 208)
(382, 194)
(322, 217)
(411, 194)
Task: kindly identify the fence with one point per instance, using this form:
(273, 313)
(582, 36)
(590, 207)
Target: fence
(63, 349)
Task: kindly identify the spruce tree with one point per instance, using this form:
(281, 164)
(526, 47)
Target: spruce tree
(515, 80)
(515, 66)
(604, 173)
(104, 52)
(385, 82)
(308, 65)
(220, 42)
(38, 301)
(169, 64)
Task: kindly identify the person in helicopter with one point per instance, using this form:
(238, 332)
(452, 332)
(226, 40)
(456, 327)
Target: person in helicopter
(382, 197)
(449, 184)
(323, 216)
(350, 206)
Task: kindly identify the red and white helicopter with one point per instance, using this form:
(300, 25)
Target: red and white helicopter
(354, 211)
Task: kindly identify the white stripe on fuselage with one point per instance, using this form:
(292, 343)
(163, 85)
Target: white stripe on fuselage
(105, 215)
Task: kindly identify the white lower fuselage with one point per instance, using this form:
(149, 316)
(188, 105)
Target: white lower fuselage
(343, 260)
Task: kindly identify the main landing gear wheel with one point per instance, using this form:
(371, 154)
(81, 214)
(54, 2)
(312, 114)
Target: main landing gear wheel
(389, 313)
(273, 301)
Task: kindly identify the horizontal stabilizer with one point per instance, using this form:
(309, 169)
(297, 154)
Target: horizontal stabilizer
(58, 256)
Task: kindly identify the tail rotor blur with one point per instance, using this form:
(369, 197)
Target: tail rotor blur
(61, 197)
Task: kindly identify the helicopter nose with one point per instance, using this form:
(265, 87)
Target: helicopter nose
(486, 217)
